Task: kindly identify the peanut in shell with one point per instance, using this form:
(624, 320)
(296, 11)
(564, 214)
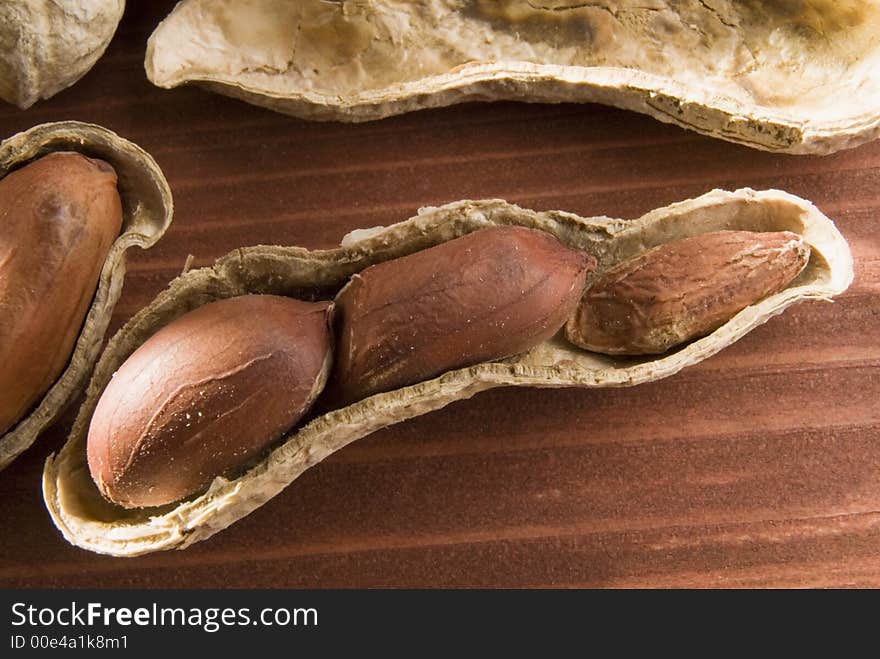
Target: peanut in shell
(58, 217)
(86, 519)
(147, 209)
(482, 297)
(207, 394)
(684, 289)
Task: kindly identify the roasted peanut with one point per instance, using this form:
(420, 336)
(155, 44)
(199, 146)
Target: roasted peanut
(683, 289)
(205, 395)
(59, 216)
(487, 295)
(47, 46)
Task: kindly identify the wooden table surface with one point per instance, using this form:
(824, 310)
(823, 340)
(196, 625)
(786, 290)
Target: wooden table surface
(759, 467)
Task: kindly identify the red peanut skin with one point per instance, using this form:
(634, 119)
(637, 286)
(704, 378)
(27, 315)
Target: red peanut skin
(683, 290)
(206, 395)
(59, 216)
(484, 296)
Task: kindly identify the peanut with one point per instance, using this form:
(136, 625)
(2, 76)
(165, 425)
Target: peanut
(47, 46)
(206, 395)
(683, 290)
(485, 296)
(59, 215)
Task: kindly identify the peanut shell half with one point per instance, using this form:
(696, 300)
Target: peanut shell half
(786, 75)
(146, 213)
(87, 520)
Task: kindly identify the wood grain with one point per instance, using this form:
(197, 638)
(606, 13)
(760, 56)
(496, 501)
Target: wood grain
(759, 467)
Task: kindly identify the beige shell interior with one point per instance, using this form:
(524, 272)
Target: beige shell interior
(798, 76)
(88, 521)
(146, 210)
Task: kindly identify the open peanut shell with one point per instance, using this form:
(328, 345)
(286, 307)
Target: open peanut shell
(89, 521)
(788, 76)
(146, 214)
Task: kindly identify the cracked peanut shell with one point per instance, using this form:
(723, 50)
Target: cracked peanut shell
(780, 75)
(146, 214)
(87, 520)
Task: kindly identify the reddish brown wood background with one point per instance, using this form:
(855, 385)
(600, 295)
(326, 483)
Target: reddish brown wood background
(758, 467)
